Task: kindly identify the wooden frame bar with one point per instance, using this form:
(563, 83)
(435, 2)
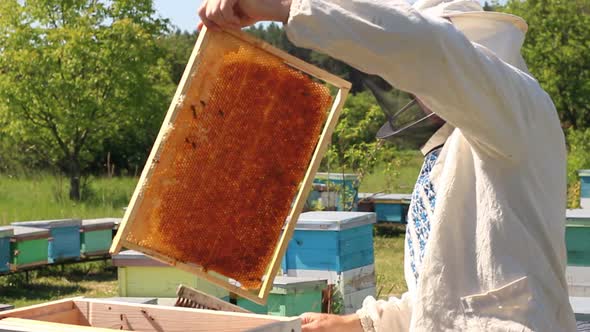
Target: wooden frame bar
(305, 186)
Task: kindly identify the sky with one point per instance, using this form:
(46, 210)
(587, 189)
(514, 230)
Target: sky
(183, 13)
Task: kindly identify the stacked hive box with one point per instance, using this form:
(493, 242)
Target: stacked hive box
(584, 188)
(392, 208)
(577, 237)
(338, 247)
(290, 296)
(96, 236)
(339, 193)
(66, 237)
(142, 276)
(5, 235)
(29, 247)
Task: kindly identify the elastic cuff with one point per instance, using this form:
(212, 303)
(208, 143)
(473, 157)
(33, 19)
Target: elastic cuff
(366, 321)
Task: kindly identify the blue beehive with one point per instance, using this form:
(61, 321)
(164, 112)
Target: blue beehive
(392, 207)
(331, 241)
(65, 234)
(5, 235)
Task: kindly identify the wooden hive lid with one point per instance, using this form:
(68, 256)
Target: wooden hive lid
(134, 258)
(23, 233)
(99, 224)
(334, 220)
(393, 198)
(49, 224)
(287, 285)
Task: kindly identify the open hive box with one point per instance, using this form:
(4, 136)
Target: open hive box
(96, 315)
(234, 161)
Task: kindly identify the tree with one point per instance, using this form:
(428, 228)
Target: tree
(556, 51)
(179, 46)
(74, 73)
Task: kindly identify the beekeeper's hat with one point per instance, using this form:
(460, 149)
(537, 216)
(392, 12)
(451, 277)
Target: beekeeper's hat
(501, 33)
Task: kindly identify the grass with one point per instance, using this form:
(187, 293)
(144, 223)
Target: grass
(46, 197)
(389, 265)
(93, 279)
(397, 176)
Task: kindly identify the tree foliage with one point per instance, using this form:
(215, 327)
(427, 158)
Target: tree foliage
(78, 76)
(556, 51)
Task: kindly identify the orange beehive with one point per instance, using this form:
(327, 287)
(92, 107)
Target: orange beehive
(234, 152)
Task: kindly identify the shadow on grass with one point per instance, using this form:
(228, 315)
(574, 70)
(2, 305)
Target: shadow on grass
(37, 291)
(88, 272)
(389, 230)
(52, 282)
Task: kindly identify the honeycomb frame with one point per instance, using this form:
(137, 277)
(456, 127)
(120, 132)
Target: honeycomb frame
(201, 64)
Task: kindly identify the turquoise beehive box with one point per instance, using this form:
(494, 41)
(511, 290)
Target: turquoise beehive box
(5, 235)
(584, 175)
(65, 235)
(577, 237)
(290, 296)
(96, 236)
(331, 241)
(392, 208)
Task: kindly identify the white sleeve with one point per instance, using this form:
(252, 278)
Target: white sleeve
(392, 315)
(464, 83)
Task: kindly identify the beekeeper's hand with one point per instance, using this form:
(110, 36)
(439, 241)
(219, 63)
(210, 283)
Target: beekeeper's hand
(235, 14)
(314, 322)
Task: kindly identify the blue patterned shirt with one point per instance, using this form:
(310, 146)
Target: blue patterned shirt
(419, 217)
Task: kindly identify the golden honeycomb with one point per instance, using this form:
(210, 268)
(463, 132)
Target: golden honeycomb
(232, 163)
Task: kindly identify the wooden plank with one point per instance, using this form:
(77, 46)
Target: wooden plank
(290, 326)
(302, 195)
(27, 325)
(40, 310)
(114, 315)
(175, 106)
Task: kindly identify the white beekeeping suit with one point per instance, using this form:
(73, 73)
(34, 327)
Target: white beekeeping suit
(495, 259)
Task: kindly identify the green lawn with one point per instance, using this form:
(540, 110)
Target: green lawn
(46, 197)
(395, 176)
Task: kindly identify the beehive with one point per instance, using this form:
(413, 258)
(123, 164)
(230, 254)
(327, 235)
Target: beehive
(65, 234)
(29, 247)
(337, 247)
(5, 235)
(241, 141)
(289, 297)
(577, 237)
(392, 208)
(90, 315)
(140, 276)
(96, 236)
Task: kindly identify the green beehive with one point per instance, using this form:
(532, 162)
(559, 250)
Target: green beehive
(96, 236)
(290, 296)
(577, 237)
(142, 276)
(29, 247)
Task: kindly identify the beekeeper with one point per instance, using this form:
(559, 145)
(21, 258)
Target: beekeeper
(485, 238)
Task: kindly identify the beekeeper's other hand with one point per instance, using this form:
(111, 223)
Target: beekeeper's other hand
(314, 322)
(235, 14)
